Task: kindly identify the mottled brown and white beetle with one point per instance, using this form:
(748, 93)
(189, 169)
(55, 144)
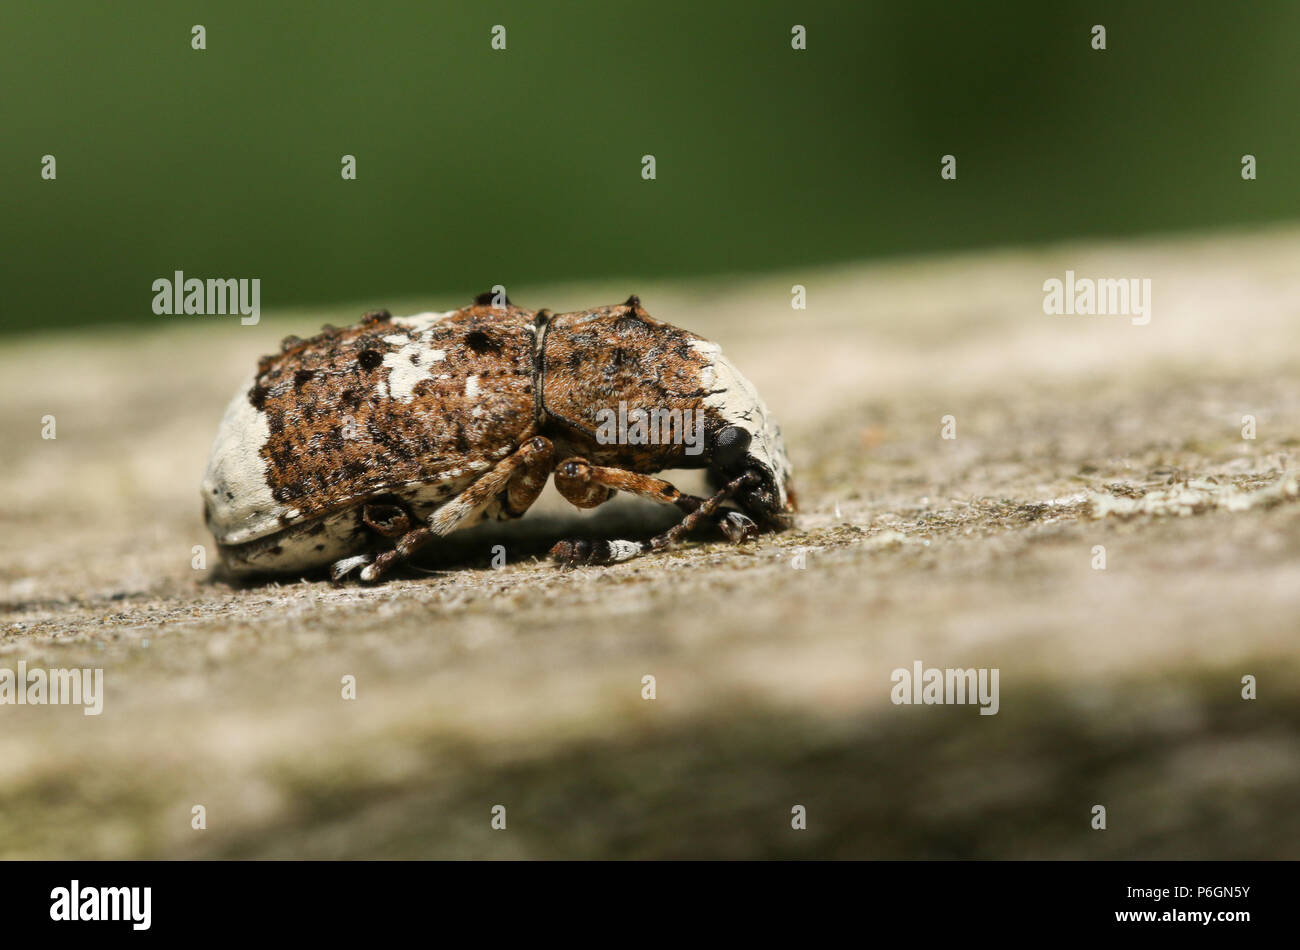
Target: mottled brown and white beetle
(356, 447)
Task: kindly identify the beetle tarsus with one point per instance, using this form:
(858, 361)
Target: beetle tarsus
(340, 569)
(738, 527)
(581, 551)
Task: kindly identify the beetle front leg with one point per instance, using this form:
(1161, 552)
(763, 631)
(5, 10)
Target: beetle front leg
(468, 503)
(585, 486)
(699, 511)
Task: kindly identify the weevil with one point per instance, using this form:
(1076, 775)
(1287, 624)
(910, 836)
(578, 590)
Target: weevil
(358, 446)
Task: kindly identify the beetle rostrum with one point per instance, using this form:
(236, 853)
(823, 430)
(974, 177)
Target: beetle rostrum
(358, 446)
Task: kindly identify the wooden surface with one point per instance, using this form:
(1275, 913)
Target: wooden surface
(522, 686)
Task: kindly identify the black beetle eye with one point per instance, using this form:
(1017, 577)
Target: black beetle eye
(729, 447)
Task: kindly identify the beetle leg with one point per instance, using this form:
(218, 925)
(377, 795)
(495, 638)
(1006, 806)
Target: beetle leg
(456, 511)
(737, 526)
(585, 486)
(385, 519)
(345, 566)
(526, 485)
(576, 486)
(609, 552)
(392, 521)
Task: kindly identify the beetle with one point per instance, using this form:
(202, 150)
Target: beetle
(358, 446)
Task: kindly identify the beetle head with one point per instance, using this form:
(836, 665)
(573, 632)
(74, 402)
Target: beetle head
(745, 438)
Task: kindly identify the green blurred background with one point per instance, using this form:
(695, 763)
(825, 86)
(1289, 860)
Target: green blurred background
(478, 167)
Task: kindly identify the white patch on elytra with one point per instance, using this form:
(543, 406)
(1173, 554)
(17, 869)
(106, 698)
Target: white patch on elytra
(408, 364)
(405, 369)
(734, 398)
(235, 489)
(471, 387)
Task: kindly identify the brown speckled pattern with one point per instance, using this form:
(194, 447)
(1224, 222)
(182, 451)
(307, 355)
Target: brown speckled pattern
(596, 358)
(335, 436)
